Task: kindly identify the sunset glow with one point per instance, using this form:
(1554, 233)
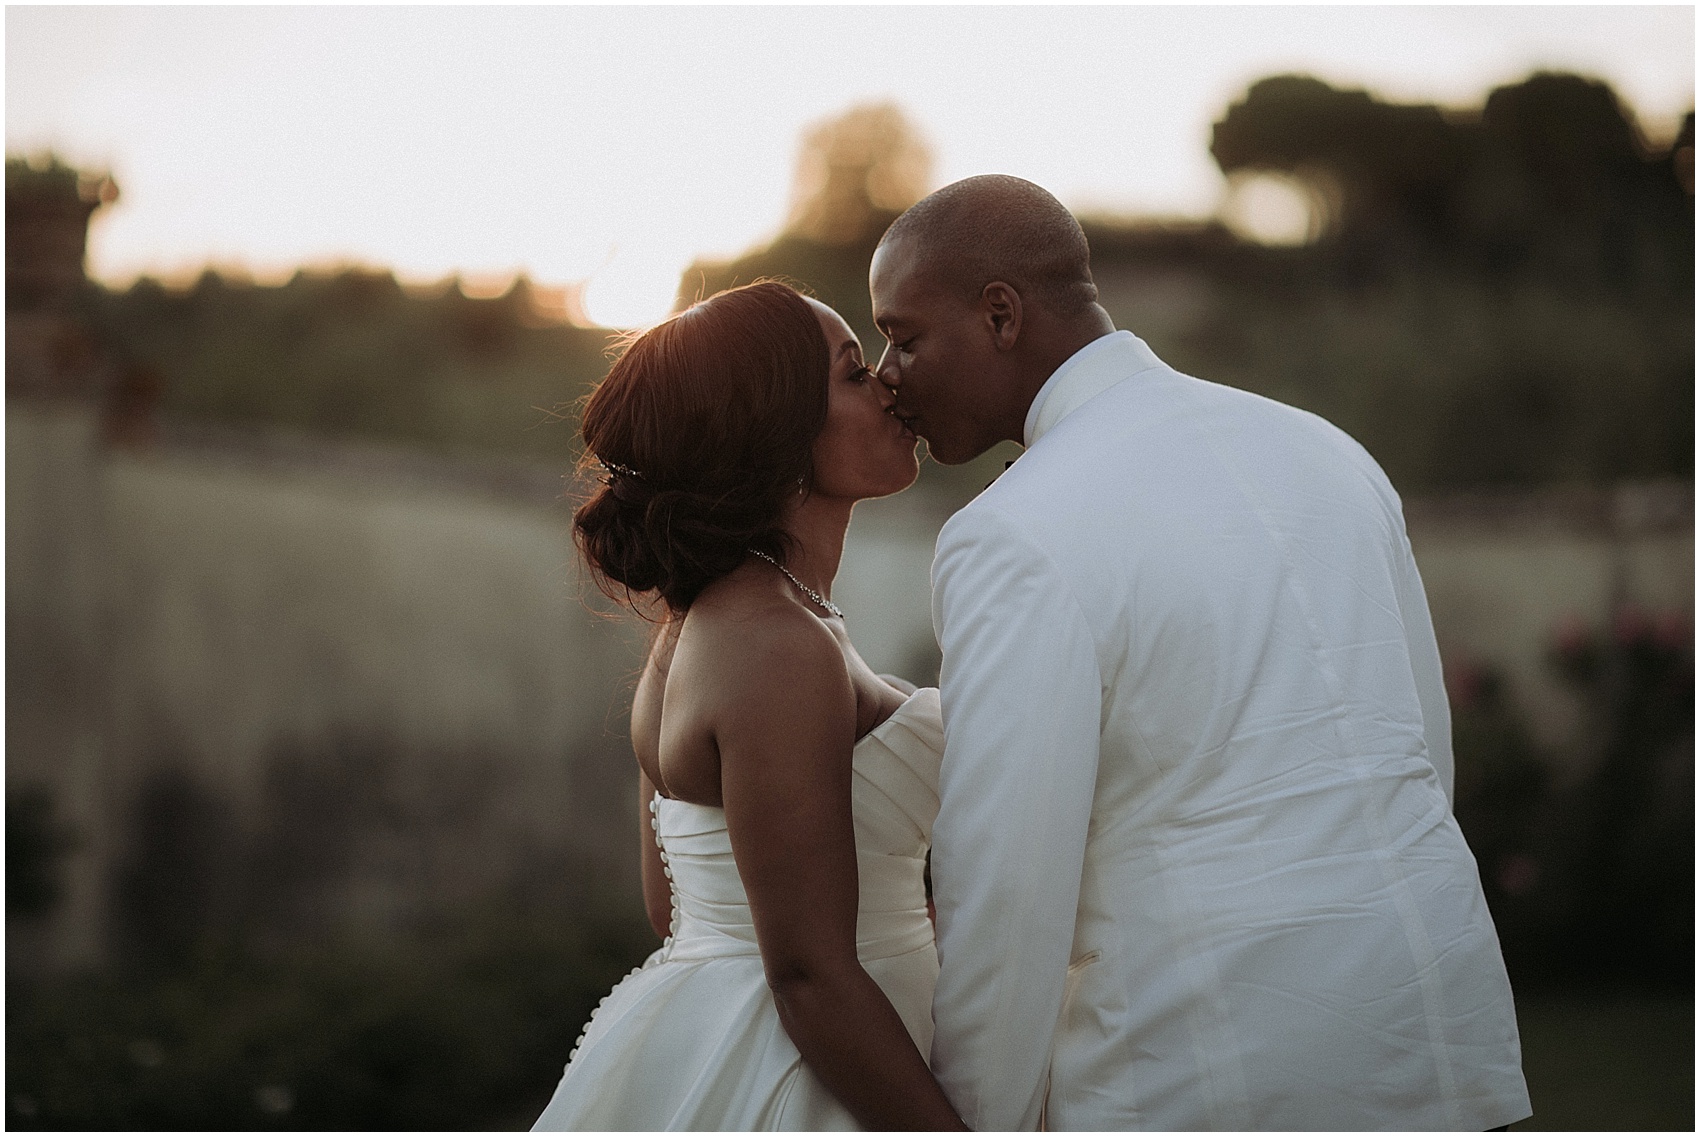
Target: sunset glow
(610, 147)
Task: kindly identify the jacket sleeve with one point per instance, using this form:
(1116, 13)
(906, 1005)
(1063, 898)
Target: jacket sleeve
(1425, 665)
(1022, 699)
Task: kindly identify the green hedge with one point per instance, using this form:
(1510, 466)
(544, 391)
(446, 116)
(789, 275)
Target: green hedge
(468, 1032)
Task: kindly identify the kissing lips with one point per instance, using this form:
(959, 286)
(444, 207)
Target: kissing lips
(905, 423)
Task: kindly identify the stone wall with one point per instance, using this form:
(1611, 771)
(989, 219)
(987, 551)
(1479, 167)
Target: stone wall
(291, 688)
(296, 688)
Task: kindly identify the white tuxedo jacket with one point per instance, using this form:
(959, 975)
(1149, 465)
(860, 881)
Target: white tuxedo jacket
(1195, 862)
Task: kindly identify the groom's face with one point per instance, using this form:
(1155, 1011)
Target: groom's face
(938, 361)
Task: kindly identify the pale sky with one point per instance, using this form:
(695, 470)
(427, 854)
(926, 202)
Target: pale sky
(616, 144)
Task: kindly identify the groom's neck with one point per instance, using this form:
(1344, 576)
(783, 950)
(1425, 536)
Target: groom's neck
(1054, 342)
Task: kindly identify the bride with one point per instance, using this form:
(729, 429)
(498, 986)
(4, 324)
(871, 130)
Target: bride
(791, 791)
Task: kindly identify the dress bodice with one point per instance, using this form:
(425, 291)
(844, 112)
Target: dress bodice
(894, 799)
(692, 1039)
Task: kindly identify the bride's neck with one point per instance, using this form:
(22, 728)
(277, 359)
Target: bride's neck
(817, 526)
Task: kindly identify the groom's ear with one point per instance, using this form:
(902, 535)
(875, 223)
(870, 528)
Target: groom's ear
(1001, 307)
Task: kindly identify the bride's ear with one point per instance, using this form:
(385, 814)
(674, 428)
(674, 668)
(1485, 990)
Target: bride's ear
(1001, 307)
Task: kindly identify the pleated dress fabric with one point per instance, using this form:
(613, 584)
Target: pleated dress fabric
(691, 1040)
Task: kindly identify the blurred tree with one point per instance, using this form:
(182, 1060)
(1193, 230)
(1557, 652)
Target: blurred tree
(1501, 777)
(353, 353)
(1682, 156)
(1630, 823)
(50, 349)
(1591, 878)
(855, 172)
(36, 843)
(1502, 296)
(1551, 175)
(174, 885)
(1387, 167)
(48, 205)
(1497, 295)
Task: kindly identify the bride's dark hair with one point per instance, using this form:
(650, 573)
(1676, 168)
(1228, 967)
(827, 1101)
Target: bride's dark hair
(702, 431)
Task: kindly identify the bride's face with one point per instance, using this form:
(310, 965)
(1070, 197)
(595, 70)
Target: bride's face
(863, 450)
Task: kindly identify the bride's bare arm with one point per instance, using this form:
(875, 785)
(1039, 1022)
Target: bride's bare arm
(785, 782)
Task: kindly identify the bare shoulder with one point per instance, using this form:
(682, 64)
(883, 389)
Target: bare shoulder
(753, 664)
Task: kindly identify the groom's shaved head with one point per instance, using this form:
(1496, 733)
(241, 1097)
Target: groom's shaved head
(997, 227)
(981, 291)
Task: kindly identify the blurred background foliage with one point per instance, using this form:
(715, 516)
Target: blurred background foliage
(351, 353)
(457, 1030)
(1590, 881)
(1495, 297)
(1498, 297)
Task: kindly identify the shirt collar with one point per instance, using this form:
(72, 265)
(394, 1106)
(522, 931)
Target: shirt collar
(1087, 373)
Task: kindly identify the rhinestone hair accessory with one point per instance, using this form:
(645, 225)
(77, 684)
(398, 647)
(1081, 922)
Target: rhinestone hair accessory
(806, 590)
(610, 470)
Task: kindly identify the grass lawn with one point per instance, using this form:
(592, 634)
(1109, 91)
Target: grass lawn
(1608, 1061)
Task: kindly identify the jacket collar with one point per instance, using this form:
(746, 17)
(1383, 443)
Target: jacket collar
(1084, 375)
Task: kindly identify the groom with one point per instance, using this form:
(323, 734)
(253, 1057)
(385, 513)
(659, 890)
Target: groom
(1195, 861)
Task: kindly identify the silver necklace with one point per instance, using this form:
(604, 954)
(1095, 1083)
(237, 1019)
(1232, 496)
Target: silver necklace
(806, 590)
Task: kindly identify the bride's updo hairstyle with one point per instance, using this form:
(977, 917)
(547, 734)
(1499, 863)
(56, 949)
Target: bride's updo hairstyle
(702, 432)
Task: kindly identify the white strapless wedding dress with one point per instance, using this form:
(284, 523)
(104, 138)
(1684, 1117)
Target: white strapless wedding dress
(691, 1040)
